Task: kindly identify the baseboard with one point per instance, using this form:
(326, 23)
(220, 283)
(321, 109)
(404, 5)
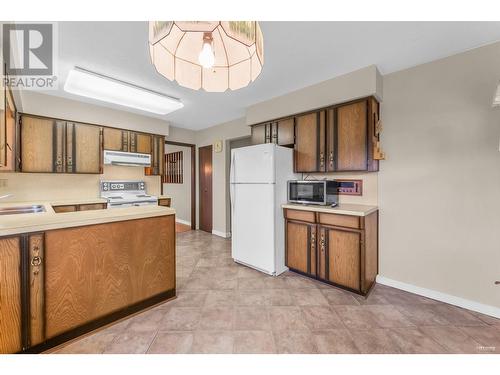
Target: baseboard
(180, 221)
(221, 234)
(443, 297)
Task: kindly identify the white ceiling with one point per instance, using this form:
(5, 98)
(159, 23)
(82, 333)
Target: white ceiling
(297, 54)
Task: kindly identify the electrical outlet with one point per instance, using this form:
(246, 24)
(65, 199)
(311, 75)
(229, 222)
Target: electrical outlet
(3, 182)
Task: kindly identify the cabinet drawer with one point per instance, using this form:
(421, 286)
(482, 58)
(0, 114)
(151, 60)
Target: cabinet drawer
(300, 215)
(164, 202)
(90, 207)
(61, 209)
(340, 220)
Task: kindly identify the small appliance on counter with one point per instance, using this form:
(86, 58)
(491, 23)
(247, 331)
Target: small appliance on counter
(121, 194)
(319, 192)
(258, 189)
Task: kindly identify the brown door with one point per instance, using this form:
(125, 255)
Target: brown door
(205, 165)
(351, 150)
(39, 140)
(340, 255)
(116, 139)
(301, 247)
(10, 295)
(310, 142)
(143, 143)
(285, 132)
(259, 134)
(83, 150)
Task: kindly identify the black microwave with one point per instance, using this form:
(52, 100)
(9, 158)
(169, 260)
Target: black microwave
(320, 192)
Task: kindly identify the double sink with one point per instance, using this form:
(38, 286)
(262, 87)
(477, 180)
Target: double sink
(13, 210)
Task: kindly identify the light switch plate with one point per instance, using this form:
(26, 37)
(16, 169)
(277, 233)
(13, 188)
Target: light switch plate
(218, 146)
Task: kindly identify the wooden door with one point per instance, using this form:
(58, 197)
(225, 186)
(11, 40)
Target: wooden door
(157, 157)
(285, 129)
(258, 134)
(142, 143)
(330, 139)
(205, 168)
(301, 247)
(351, 137)
(83, 154)
(38, 145)
(36, 288)
(95, 270)
(273, 132)
(116, 139)
(309, 142)
(10, 295)
(340, 257)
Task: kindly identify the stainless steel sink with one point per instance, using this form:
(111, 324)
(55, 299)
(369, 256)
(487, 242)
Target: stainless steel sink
(22, 210)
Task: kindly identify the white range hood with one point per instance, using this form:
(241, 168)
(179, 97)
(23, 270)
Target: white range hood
(129, 159)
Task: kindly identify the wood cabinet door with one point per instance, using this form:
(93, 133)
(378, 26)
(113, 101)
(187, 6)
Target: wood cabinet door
(8, 139)
(83, 153)
(351, 137)
(95, 270)
(157, 157)
(309, 142)
(285, 130)
(142, 143)
(116, 139)
(258, 134)
(39, 145)
(10, 295)
(301, 247)
(340, 256)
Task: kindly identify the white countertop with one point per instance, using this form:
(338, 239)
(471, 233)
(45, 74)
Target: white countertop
(341, 209)
(42, 221)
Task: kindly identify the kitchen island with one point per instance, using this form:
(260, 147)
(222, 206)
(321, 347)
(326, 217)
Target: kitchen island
(65, 274)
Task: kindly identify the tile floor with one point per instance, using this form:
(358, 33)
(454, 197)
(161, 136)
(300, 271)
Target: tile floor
(222, 307)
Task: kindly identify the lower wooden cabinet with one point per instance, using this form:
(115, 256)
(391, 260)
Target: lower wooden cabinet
(164, 202)
(62, 283)
(338, 249)
(79, 207)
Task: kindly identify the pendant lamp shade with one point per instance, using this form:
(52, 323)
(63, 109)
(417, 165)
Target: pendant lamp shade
(209, 55)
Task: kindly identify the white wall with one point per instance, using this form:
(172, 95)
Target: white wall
(181, 193)
(439, 189)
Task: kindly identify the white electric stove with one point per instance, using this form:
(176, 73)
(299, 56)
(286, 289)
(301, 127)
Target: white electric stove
(126, 194)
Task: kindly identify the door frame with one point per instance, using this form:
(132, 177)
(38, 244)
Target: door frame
(193, 177)
(210, 146)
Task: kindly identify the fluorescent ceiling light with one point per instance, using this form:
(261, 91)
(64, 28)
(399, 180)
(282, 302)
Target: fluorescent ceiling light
(496, 98)
(96, 86)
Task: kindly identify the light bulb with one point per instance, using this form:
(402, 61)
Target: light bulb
(206, 57)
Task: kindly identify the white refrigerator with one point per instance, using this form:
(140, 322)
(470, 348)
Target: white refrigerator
(258, 184)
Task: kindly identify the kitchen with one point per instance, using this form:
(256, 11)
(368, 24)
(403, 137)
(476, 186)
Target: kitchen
(324, 212)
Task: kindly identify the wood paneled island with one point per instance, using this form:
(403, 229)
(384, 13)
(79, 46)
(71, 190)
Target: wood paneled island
(65, 274)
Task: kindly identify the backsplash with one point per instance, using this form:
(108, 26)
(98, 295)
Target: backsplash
(51, 186)
(370, 186)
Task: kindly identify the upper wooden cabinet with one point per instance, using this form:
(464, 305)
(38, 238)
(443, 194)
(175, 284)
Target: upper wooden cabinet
(157, 157)
(49, 145)
(8, 133)
(309, 142)
(140, 142)
(278, 132)
(115, 139)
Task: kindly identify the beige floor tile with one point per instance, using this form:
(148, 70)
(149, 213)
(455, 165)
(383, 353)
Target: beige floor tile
(217, 319)
(130, 343)
(172, 343)
(181, 319)
(299, 282)
(287, 318)
(387, 316)
(251, 283)
(221, 298)
(321, 318)
(414, 341)
(252, 298)
(213, 342)
(148, 321)
(244, 272)
(189, 299)
(335, 341)
(488, 337)
(486, 318)
(295, 342)
(277, 282)
(457, 316)
(357, 317)
(279, 297)
(375, 341)
(336, 296)
(93, 344)
(254, 342)
(249, 318)
(423, 315)
(452, 338)
(308, 297)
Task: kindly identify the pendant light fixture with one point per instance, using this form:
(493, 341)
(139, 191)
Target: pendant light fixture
(209, 55)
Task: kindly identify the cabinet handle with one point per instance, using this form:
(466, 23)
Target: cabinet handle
(321, 159)
(331, 159)
(313, 240)
(36, 261)
(322, 243)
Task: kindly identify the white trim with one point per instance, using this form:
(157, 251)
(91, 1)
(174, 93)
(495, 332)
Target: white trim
(221, 234)
(180, 221)
(443, 297)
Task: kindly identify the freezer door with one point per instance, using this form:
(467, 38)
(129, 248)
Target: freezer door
(252, 223)
(253, 164)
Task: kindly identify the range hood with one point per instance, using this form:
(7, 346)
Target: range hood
(128, 159)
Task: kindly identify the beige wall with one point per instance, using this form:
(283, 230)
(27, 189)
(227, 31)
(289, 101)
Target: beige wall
(357, 84)
(51, 186)
(52, 106)
(439, 189)
(181, 193)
